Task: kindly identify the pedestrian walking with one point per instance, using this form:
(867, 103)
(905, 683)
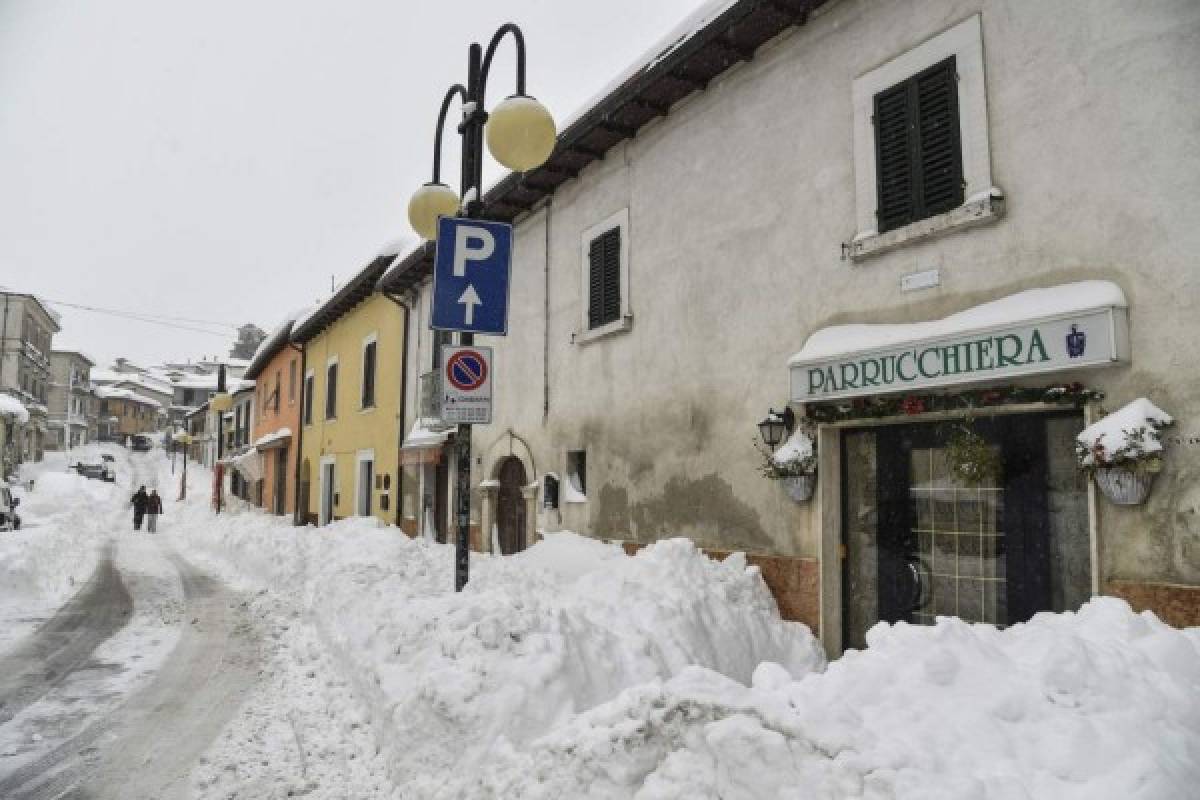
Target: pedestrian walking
(139, 501)
(153, 509)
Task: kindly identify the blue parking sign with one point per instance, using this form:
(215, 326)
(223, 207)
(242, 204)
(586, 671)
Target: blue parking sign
(470, 276)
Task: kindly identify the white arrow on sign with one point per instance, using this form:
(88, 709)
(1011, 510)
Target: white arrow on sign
(470, 299)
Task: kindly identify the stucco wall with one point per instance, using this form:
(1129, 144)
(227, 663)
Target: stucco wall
(269, 420)
(355, 428)
(739, 201)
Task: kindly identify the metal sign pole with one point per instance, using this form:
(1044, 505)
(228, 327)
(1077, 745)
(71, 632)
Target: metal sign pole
(472, 158)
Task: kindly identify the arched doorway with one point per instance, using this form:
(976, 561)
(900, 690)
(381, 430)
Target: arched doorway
(510, 506)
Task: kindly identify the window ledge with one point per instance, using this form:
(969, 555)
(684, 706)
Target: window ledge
(978, 210)
(620, 325)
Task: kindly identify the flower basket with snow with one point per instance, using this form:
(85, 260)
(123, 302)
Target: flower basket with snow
(795, 465)
(1123, 450)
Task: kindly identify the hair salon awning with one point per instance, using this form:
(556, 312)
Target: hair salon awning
(1067, 327)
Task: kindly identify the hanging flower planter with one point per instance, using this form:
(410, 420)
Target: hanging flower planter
(800, 487)
(1123, 450)
(794, 465)
(1125, 486)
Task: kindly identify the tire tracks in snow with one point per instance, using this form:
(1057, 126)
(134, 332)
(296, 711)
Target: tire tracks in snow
(66, 641)
(145, 748)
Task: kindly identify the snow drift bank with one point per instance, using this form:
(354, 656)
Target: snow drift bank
(575, 671)
(535, 639)
(1100, 704)
(64, 520)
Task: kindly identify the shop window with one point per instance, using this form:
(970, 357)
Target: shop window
(921, 154)
(574, 489)
(605, 259)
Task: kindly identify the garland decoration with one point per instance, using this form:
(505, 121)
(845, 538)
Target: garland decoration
(1068, 394)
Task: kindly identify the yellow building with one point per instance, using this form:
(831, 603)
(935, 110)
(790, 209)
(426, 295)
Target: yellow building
(351, 400)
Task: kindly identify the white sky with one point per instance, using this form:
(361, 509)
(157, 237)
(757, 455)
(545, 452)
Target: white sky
(221, 160)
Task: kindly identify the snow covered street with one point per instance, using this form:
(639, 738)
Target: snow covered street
(235, 656)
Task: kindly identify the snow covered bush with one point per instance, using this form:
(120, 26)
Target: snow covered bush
(1129, 438)
(797, 457)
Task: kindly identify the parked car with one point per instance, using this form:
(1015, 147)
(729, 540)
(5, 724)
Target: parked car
(102, 472)
(9, 519)
(141, 444)
(107, 457)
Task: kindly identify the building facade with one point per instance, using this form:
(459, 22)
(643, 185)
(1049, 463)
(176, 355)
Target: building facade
(27, 329)
(352, 385)
(72, 405)
(124, 413)
(277, 369)
(706, 230)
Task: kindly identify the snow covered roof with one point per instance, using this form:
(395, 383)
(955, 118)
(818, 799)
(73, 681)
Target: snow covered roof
(714, 38)
(13, 408)
(1015, 309)
(273, 438)
(422, 436)
(111, 393)
(357, 289)
(109, 376)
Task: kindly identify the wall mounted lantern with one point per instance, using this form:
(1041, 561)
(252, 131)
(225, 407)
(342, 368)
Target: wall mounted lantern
(776, 426)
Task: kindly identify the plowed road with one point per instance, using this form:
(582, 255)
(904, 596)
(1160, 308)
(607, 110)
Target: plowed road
(134, 738)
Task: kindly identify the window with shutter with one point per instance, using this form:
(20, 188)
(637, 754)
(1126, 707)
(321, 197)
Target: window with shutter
(368, 380)
(331, 391)
(604, 278)
(308, 399)
(918, 153)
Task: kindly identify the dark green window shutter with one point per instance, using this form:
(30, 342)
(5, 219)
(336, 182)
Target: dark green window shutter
(604, 278)
(918, 151)
(368, 380)
(331, 391)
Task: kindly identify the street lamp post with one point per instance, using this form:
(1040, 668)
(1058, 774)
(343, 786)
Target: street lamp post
(520, 134)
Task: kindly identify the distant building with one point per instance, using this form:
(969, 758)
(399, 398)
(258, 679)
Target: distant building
(249, 338)
(27, 328)
(71, 401)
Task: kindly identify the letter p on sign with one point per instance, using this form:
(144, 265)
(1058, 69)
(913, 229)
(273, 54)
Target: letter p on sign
(471, 243)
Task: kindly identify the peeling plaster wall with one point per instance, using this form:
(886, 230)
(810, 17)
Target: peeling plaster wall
(738, 203)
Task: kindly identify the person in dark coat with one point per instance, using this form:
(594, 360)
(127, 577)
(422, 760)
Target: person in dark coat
(139, 500)
(153, 509)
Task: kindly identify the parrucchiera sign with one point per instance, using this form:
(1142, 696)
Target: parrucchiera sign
(1089, 339)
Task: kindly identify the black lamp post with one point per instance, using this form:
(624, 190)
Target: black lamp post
(521, 135)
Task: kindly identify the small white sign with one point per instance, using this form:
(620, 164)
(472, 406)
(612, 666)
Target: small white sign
(467, 385)
(926, 279)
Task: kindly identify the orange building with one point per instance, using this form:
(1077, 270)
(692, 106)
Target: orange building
(276, 369)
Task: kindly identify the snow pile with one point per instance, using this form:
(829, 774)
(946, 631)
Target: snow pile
(14, 408)
(56, 549)
(1128, 435)
(1104, 703)
(456, 679)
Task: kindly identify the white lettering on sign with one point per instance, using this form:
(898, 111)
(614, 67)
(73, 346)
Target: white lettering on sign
(1090, 339)
(471, 243)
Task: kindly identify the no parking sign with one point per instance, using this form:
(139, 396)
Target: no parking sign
(467, 385)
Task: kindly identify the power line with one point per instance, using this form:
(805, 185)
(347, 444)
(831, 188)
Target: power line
(139, 314)
(149, 320)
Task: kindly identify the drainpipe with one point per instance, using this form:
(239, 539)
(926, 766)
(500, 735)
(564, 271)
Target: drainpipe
(4, 337)
(297, 519)
(403, 407)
